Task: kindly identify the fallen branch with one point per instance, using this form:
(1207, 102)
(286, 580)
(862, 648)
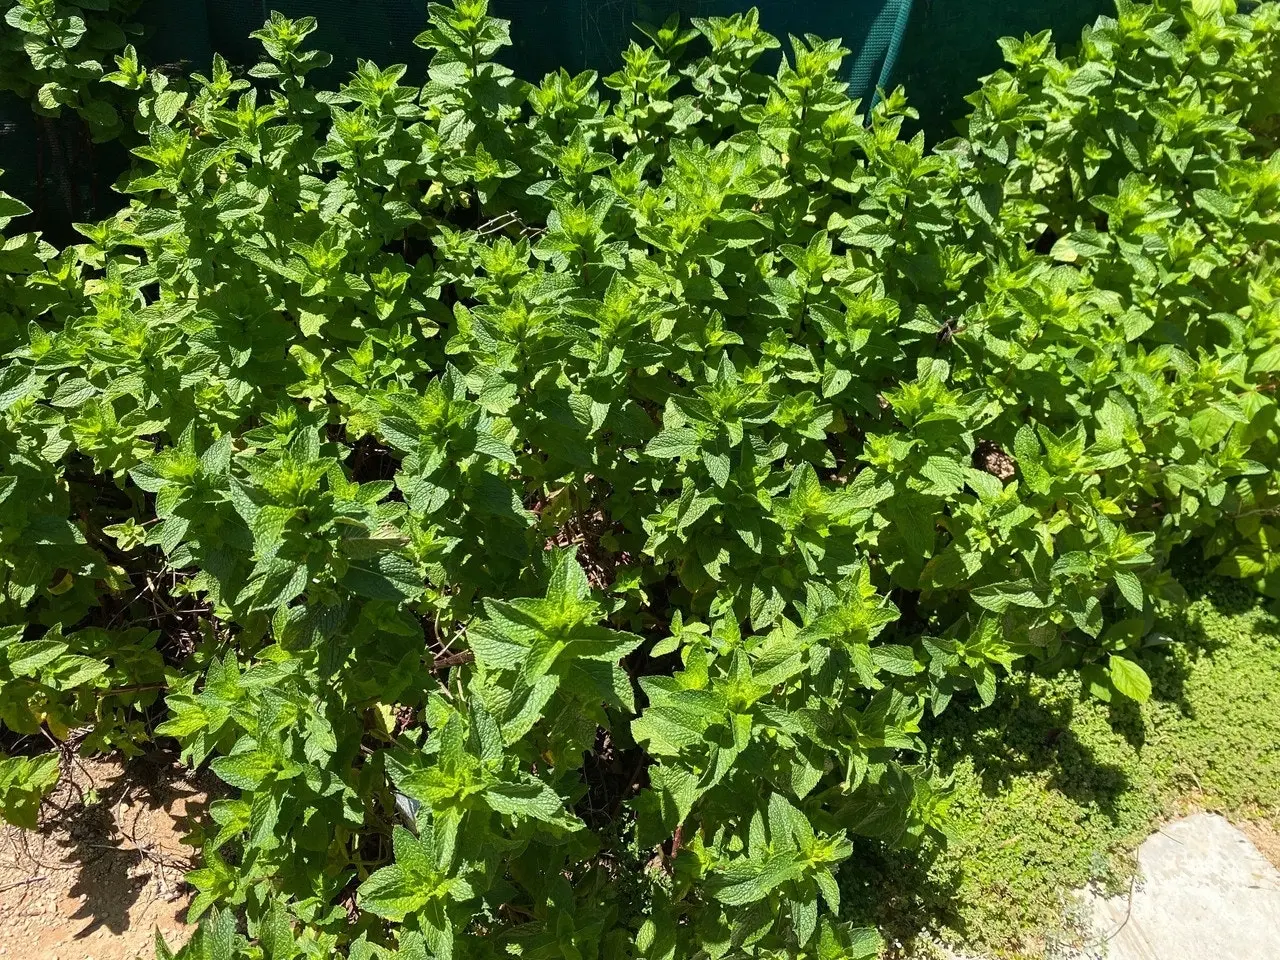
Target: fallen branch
(21, 883)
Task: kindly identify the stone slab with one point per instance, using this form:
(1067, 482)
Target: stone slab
(1204, 893)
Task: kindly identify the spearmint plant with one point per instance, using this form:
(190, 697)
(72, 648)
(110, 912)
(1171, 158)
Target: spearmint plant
(53, 54)
(577, 496)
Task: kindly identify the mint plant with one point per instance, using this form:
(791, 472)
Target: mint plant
(53, 54)
(576, 504)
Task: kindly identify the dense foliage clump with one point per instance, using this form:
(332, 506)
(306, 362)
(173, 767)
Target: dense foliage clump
(53, 55)
(552, 511)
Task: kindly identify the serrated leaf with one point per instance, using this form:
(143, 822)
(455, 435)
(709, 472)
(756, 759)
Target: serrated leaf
(1130, 679)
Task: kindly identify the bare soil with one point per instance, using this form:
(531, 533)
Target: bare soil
(105, 870)
(1263, 835)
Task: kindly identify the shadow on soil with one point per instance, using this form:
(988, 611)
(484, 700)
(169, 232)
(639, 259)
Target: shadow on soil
(112, 844)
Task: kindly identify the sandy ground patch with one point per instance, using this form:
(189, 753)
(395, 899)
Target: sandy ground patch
(105, 870)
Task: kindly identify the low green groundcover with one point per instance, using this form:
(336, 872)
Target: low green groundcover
(1054, 790)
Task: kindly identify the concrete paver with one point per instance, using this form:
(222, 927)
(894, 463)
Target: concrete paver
(1205, 893)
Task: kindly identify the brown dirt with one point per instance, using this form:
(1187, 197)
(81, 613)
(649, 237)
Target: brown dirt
(1265, 837)
(106, 868)
(989, 457)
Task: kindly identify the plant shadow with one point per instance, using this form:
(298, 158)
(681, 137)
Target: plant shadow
(120, 829)
(1024, 733)
(901, 893)
(1050, 729)
(1029, 728)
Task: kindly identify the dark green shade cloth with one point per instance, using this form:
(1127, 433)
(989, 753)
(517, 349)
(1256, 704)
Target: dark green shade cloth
(937, 48)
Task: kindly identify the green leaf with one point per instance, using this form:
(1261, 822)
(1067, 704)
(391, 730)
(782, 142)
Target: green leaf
(390, 893)
(1130, 679)
(895, 658)
(1130, 588)
(27, 659)
(167, 104)
(999, 597)
(531, 799)
(1083, 244)
(245, 771)
(673, 442)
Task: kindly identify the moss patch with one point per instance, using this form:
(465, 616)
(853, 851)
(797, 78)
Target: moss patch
(1053, 791)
